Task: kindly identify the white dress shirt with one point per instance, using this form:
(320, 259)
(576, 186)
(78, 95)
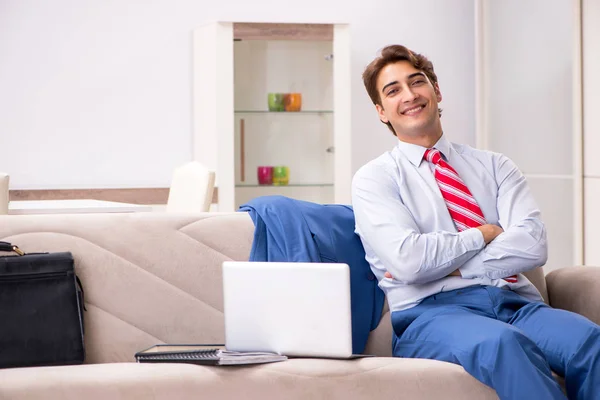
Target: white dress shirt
(406, 229)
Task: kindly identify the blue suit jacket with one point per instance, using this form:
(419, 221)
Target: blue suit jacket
(299, 231)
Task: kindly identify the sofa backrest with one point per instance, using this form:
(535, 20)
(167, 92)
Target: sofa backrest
(148, 277)
(154, 277)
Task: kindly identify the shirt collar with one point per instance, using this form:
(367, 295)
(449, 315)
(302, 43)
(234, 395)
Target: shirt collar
(415, 153)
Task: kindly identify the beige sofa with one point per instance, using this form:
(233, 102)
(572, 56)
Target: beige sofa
(155, 278)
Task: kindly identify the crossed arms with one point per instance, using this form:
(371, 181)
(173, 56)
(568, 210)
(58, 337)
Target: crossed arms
(387, 226)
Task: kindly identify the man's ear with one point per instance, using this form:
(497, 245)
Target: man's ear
(382, 116)
(438, 93)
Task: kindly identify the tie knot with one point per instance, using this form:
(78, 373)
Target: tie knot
(433, 156)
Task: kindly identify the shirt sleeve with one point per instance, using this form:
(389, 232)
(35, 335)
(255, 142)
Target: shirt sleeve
(384, 223)
(522, 246)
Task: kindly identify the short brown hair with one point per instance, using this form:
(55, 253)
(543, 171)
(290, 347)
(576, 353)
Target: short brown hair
(389, 55)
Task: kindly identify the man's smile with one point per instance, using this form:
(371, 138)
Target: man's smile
(413, 110)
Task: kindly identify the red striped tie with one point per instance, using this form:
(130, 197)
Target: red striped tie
(461, 204)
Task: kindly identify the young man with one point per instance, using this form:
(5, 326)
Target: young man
(448, 230)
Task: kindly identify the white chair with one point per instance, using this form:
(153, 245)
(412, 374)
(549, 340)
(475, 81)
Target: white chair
(4, 179)
(191, 189)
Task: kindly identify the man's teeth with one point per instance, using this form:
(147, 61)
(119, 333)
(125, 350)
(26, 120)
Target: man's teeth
(413, 110)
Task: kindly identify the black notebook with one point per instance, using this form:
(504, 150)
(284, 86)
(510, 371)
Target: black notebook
(207, 354)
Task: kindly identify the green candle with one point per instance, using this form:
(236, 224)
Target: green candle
(281, 175)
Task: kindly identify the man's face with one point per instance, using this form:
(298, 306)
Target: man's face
(409, 101)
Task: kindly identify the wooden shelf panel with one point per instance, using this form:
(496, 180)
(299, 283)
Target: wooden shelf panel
(266, 31)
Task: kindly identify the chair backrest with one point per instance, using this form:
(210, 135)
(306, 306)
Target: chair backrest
(4, 179)
(191, 188)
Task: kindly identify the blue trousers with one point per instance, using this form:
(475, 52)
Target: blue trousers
(505, 341)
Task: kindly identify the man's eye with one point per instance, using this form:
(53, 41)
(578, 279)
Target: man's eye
(392, 91)
(418, 82)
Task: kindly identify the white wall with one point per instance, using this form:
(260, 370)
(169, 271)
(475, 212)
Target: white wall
(528, 107)
(98, 93)
(591, 128)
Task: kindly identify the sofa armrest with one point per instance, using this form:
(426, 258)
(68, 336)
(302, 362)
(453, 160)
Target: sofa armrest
(576, 289)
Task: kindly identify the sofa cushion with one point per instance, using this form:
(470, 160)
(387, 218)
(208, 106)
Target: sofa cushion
(371, 378)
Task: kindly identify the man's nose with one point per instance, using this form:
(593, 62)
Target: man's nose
(409, 95)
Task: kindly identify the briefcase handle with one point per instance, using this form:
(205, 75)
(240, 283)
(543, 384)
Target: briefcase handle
(5, 246)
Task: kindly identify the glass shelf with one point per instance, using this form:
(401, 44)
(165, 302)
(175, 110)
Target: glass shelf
(282, 186)
(283, 112)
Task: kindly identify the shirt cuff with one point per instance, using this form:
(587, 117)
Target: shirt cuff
(473, 240)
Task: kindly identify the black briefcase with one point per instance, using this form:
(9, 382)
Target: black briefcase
(41, 309)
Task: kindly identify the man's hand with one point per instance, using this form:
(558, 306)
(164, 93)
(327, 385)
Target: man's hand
(490, 232)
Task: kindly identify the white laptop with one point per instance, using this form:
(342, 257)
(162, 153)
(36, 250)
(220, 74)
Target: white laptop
(292, 309)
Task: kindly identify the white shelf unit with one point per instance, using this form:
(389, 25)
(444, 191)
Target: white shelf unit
(235, 66)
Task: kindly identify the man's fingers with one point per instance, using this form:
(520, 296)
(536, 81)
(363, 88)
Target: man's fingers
(388, 275)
